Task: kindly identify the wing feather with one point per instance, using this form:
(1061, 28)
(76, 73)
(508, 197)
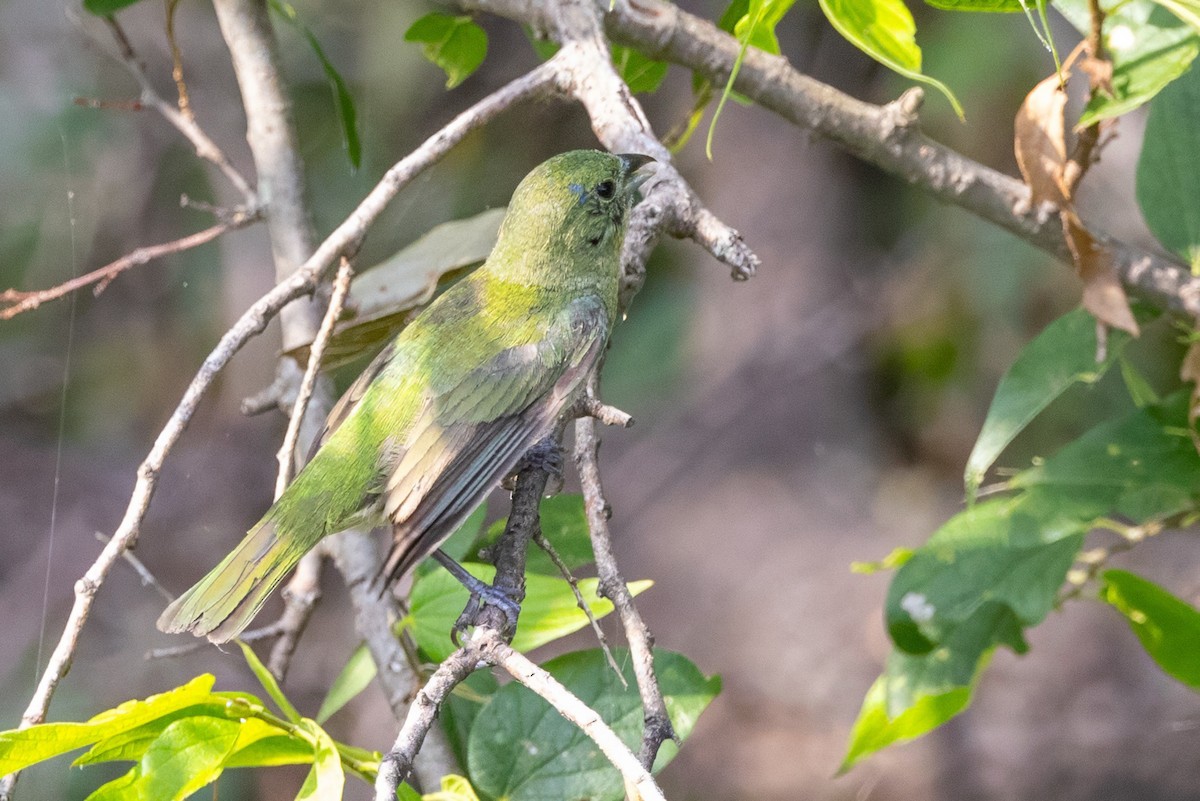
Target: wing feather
(470, 439)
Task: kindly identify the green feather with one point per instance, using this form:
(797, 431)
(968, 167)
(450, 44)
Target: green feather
(453, 403)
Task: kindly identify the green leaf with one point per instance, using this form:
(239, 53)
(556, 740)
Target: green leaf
(641, 74)
(1011, 553)
(269, 684)
(456, 44)
(1140, 391)
(326, 780)
(1186, 10)
(1061, 356)
(341, 93)
(1142, 466)
(189, 754)
(103, 8)
(1168, 628)
(405, 792)
(885, 31)
(384, 295)
(454, 788)
(24, 747)
(753, 22)
(1168, 175)
(547, 613)
(279, 748)
(977, 5)
(1149, 48)
(462, 707)
(352, 680)
(522, 750)
(916, 694)
(564, 524)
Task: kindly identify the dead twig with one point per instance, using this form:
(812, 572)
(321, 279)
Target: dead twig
(22, 301)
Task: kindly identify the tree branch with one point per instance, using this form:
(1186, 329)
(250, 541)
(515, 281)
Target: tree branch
(657, 727)
(185, 123)
(22, 301)
(886, 136)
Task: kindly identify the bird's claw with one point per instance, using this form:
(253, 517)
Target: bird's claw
(481, 597)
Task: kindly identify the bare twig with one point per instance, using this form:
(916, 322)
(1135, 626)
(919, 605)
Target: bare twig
(285, 456)
(487, 647)
(609, 415)
(635, 772)
(303, 589)
(22, 301)
(184, 123)
(657, 727)
(540, 540)
(264, 633)
(148, 579)
(185, 104)
(663, 30)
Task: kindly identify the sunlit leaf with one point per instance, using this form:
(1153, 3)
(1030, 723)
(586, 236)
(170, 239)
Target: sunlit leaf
(916, 694)
(352, 680)
(547, 613)
(326, 779)
(24, 747)
(977, 5)
(269, 683)
(1149, 47)
(189, 754)
(1168, 628)
(1040, 141)
(454, 43)
(885, 31)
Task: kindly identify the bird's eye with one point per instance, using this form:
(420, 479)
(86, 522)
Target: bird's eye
(605, 190)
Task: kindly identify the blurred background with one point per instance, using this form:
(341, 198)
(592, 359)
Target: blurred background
(818, 415)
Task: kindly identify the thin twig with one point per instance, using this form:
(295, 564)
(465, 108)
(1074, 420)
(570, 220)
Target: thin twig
(635, 773)
(303, 589)
(23, 301)
(665, 31)
(264, 633)
(657, 727)
(341, 287)
(205, 147)
(148, 579)
(185, 104)
(609, 415)
(540, 540)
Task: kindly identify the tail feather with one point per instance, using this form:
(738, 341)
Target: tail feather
(223, 603)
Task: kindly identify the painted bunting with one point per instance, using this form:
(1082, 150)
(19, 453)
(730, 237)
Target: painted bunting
(451, 405)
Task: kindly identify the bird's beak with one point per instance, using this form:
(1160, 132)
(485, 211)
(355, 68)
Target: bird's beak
(632, 163)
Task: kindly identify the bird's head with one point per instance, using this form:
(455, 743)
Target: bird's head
(574, 206)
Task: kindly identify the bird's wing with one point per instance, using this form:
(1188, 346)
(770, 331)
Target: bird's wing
(350, 398)
(474, 432)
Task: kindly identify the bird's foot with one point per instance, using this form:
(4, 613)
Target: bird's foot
(505, 601)
(546, 455)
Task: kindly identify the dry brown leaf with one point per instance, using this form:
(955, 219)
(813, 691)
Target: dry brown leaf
(1099, 72)
(1103, 294)
(1040, 142)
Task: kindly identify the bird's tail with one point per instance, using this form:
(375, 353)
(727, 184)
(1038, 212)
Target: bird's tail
(224, 602)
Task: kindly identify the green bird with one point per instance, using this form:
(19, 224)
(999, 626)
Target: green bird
(451, 405)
